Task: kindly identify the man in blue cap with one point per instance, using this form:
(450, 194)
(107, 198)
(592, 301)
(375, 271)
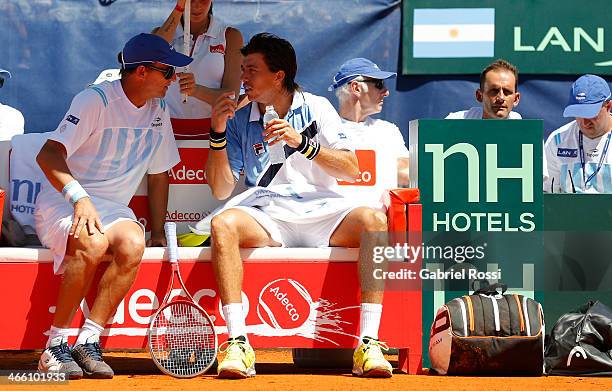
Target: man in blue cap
(11, 119)
(576, 155)
(360, 88)
(113, 135)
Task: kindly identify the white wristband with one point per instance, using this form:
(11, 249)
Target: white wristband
(73, 192)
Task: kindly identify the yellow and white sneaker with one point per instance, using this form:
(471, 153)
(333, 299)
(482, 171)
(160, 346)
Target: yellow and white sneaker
(239, 361)
(368, 359)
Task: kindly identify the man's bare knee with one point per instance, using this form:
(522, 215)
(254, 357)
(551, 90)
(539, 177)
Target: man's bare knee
(225, 226)
(380, 221)
(372, 220)
(88, 248)
(129, 249)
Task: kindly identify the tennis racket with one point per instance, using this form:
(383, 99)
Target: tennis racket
(186, 37)
(182, 339)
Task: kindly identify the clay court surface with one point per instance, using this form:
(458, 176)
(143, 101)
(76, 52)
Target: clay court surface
(275, 371)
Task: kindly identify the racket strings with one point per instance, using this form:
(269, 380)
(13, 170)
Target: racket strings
(182, 340)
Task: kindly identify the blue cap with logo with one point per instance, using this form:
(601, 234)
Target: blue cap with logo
(358, 67)
(586, 97)
(146, 48)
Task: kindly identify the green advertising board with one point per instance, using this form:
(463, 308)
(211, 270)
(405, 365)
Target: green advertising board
(539, 36)
(481, 184)
(478, 175)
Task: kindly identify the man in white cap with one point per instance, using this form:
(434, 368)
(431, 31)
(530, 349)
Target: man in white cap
(498, 94)
(576, 155)
(11, 119)
(113, 135)
(360, 88)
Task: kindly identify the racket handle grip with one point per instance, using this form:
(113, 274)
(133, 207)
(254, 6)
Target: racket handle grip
(170, 229)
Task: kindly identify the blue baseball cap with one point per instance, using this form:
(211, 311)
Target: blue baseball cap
(5, 73)
(356, 67)
(587, 95)
(144, 48)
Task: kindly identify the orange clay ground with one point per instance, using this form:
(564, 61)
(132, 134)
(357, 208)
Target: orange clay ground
(275, 371)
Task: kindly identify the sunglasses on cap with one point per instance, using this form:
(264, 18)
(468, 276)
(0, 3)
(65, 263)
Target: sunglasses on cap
(378, 83)
(168, 72)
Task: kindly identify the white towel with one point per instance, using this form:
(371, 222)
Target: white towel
(291, 203)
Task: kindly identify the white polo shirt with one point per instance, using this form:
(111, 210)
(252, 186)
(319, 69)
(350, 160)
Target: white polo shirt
(378, 144)
(208, 66)
(476, 113)
(111, 144)
(11, 122)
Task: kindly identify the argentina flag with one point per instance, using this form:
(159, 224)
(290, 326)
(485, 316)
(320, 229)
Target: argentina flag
(453, 32)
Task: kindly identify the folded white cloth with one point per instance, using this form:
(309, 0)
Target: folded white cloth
(291, 203)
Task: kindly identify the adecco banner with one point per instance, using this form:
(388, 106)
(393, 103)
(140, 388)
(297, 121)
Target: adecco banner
(287, 304)
(539, 36)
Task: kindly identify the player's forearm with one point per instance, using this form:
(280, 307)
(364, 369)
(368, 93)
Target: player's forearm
(340, 164)
(52, 162)
(207, 94)
(219, 174)
(403, 172)
(167, 30)
(157, 189)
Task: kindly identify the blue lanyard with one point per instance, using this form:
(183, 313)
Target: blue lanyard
(601, 159)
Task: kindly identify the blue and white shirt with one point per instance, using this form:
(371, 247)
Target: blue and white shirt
(562, 166)
(309, 114)
(111, 144)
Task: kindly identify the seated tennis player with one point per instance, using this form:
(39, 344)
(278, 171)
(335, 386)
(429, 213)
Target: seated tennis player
(291, 204)
(113, 135)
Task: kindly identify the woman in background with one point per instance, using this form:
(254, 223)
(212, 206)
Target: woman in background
(215, 48)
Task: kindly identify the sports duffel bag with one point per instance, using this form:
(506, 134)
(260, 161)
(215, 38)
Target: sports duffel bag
(580, 343)
(488, 333)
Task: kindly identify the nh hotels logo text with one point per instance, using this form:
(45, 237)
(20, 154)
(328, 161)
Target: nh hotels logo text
(494, 219)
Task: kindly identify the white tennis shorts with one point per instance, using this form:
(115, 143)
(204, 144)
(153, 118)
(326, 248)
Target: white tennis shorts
(53, 216)
(297, 233)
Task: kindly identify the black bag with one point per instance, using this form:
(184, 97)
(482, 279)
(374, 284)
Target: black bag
(580, 343)
(488, 333)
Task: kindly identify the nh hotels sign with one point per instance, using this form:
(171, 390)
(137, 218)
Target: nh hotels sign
(539, 36)
(478, 175)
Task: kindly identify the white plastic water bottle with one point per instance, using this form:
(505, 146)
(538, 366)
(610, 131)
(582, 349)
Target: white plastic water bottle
(276, 152)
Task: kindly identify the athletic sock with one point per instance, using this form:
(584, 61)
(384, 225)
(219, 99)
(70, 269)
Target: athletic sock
(57, 336)
(90, 333)
(234, 318)
(369, 320)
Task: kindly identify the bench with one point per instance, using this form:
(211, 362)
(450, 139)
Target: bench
(311, 295)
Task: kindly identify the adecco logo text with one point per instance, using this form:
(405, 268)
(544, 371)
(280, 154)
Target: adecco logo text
(367, 169)
(191, 170)
(284, 304)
